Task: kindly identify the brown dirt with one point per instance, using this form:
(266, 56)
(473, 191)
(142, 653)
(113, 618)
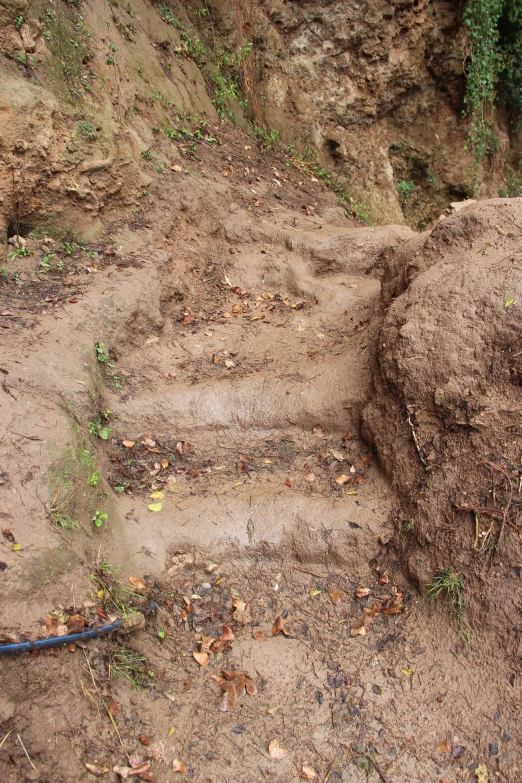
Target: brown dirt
(247, 339)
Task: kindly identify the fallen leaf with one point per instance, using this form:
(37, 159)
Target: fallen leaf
(171, 731)
(228, 699)
(367, 459)
(123, 772)
(229, 363)
(509, 302)
(16, 547)
(362, 592)
(95, 769)
(276, 752)
(313, 593)
(308, 771)
(337, 455)
(288, 482)
(128, 443)
(336, 595)
(8, 535)
(201, 658)
(227, 635)
(140, 769)
(149, 442)
(310, 477)
(145, 740)
(155, 506)
(157, 495)
(342, 479)
(444, 746)
(179, 448)
(259, 636)
(176, 167)
(481, 773)
(280, 627)
(319, 431)
(206, 644)
(406, 671)
(215, 358)
(138, 583)
(178, 766)
(113, 708)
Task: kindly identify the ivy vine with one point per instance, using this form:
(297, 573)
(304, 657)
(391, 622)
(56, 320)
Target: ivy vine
(494, 67)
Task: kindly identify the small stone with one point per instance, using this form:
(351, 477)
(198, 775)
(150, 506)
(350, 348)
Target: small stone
(134, 621)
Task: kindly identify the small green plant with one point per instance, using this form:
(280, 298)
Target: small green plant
(102, 353)
(431, 180)
(70, 247)
(161, 633)
(128, 665)
(266, 138)
(19, 252)
(161, 168)
(4, 272)
(99, 430)
(58, 508)
(448, 583)
(405, 189)
(406, 526)
(94, 478)
(147, 155)
(18, 22)
(87, 130)
(99, 518)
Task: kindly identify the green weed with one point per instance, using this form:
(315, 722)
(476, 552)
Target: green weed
(448, 583)
(99, 518)
(405, 189)
(128, 665)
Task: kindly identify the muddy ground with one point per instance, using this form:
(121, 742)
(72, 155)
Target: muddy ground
(200, 375)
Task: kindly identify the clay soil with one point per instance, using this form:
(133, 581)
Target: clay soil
(201, 374)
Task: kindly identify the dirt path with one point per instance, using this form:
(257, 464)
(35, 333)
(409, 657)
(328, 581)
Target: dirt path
(235, 352)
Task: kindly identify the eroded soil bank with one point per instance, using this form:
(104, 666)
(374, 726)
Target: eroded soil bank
(201, 376)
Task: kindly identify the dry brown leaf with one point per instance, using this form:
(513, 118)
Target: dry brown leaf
(384, 578)
(308, 771)
(178, 766)
(206, 643)
(149, 442)
(444, 746)
(342, 479)
(95, 769)
(228, 698)
(128, 443)
(259, 636)
(138, 583)
(113, 708)
(176, 167)
(361, 631)
(310, 477)
(319, 431)
(201, 658)
(141, 769)
(227, 635)
(123, 772)
(179, 448)
(280, 627)
(336, 595)
(145, 740)
(288, 482)
(362, 592)
(251, 687)
(276, 752)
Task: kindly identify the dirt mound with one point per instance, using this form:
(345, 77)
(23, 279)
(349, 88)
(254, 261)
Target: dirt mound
(445, 415)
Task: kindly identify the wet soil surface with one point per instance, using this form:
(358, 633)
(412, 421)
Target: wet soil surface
(201, 382)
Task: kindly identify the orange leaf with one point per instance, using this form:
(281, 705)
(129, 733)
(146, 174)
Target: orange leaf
(288, 483)
(276, 752)
(280, 627)
(201, 658)
(113, 708)
(145, 740)
(336, 595)
(128, 443)
(259, 636)
(178, 766)
(362, 592)
(138, 583)
(342, 479)
(206, 643)
(444, 746)
(229, 697)
(308, 771)
(227, 635)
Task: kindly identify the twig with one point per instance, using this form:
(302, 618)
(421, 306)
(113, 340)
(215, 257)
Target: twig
(378, 770)
(420, 451)
(508, 506)
(4, 739)
(329, 772)
(105, 705)
(29, 758)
